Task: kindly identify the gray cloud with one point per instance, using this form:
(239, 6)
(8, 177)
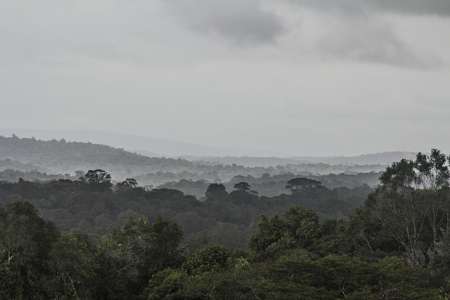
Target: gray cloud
(128, 66)
(358, 33)
(243, 22)
(368, 39)
(419, 7)
(414, 7)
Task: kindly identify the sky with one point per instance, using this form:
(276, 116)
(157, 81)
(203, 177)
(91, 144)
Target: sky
(291, 77)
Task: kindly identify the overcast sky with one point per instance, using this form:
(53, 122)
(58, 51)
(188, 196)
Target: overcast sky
(295, 77)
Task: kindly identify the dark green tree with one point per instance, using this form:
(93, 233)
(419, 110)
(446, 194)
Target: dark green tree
(98, 179)
(300, 184)
(216, 191)
(144, 248)
(26, 241)
(211, 259)
(127, 184)
(74, 267)
(412, 206)
(298, 228)
(242, 187)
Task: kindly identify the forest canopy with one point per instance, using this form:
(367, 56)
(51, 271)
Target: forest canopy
(111, 240)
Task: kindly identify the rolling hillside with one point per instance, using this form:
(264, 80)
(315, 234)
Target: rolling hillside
(62, 156)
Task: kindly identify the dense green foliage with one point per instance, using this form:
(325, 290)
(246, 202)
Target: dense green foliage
(396, 246)
(274, 185)
(94, 205)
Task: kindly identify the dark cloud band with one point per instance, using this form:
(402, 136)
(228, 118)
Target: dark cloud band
(243, 22)
(412, 7)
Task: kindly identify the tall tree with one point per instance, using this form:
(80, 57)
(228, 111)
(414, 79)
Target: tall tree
(216, 191)
(412, 205)
(300, 184)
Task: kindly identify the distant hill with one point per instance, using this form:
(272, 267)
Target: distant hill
(148, 146)
(60, 156)
(64, 157)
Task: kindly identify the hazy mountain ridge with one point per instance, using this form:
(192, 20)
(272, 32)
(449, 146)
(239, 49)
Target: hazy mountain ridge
(61, 156)
(144, 145)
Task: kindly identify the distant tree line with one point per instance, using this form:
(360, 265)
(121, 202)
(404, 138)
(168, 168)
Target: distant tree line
(94, 204)
(274, 185)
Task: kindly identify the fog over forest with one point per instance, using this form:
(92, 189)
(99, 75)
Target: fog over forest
(225, 150)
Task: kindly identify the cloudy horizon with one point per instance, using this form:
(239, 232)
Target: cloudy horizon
(299, 77)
